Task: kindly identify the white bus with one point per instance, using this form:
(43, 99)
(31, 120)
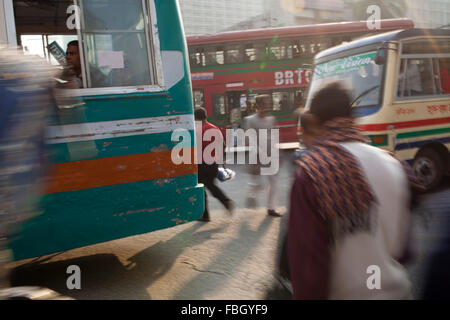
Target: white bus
(401, 91)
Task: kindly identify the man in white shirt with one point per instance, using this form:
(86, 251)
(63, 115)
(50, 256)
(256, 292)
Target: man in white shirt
(262, 121)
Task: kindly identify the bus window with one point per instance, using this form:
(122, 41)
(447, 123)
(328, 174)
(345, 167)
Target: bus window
(32, 45)
(280, 100)
(198, 98)
(294, 50)
(116, 49)
(233, 54)
(251, 99)
(444, 75)
(267, 54)
(195, 57)
(304, 50)
(418, 80)
(278, 51)
(210, 57)
(220, 55)
(299, 98)
(218, 101)
(62, 40)
(249, 53)
(323, 44)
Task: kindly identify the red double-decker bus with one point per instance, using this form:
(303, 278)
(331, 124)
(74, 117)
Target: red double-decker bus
(229, 69)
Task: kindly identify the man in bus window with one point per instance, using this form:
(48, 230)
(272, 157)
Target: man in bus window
(73, 71)
(444, 70)
(413, 83)
(73, 74)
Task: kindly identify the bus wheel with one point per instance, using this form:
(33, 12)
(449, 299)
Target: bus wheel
(429, 168)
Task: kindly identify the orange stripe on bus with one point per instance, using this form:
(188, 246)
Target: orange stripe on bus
(80, 175)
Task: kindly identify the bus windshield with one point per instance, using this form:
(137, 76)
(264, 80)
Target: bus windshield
(358, 73)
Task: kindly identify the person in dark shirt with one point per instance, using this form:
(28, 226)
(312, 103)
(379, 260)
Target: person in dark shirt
(343, 218)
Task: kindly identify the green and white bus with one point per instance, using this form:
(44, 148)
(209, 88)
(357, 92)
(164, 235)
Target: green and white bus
(401, 89)
(109, 141)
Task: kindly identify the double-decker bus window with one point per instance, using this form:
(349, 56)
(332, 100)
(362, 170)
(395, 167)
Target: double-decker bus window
(267, 54)
(250, 53)
(210, 57)
(198, 98)
(220, 55)
(115, 35)
(280, 100)
(218, 101)
(195, 57)
(233, 54)
(299, 98)
(251, 98)
(279, 52)
(324, 44)
(293, 50)
(304, 50)
(313, 48)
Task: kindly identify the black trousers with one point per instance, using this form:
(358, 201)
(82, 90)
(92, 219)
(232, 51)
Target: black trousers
(207, 174)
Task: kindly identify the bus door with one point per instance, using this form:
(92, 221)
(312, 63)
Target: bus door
(236, 101)
(216, 106)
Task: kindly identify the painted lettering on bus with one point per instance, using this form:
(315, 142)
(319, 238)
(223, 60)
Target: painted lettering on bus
(443, 108)
(298, 76)
(404, 111)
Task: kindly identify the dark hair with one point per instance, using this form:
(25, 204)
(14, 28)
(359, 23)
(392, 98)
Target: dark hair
(260, 99)
(73, 43)
(200, 113)
(306, 122)
(332, 101)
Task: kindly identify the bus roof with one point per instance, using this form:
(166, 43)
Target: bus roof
(306, 30)
(380, 38)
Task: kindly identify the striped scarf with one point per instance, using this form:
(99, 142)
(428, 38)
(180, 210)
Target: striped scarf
(345, 197)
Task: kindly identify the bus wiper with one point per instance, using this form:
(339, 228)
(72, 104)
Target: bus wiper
(364, 93)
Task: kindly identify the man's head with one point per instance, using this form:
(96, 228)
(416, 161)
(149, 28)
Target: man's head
(73, 55)
(200, 114)
(331, 102)
(262, 104)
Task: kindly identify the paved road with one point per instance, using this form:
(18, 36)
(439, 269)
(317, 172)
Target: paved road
(227, 258)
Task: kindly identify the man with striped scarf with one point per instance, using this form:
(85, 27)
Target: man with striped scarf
(350, 210)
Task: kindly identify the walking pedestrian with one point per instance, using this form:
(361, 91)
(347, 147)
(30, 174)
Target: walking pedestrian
(349, 210)
(207, 173)
(262, 121)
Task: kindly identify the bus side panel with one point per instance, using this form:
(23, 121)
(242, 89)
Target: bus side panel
(85, 217)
